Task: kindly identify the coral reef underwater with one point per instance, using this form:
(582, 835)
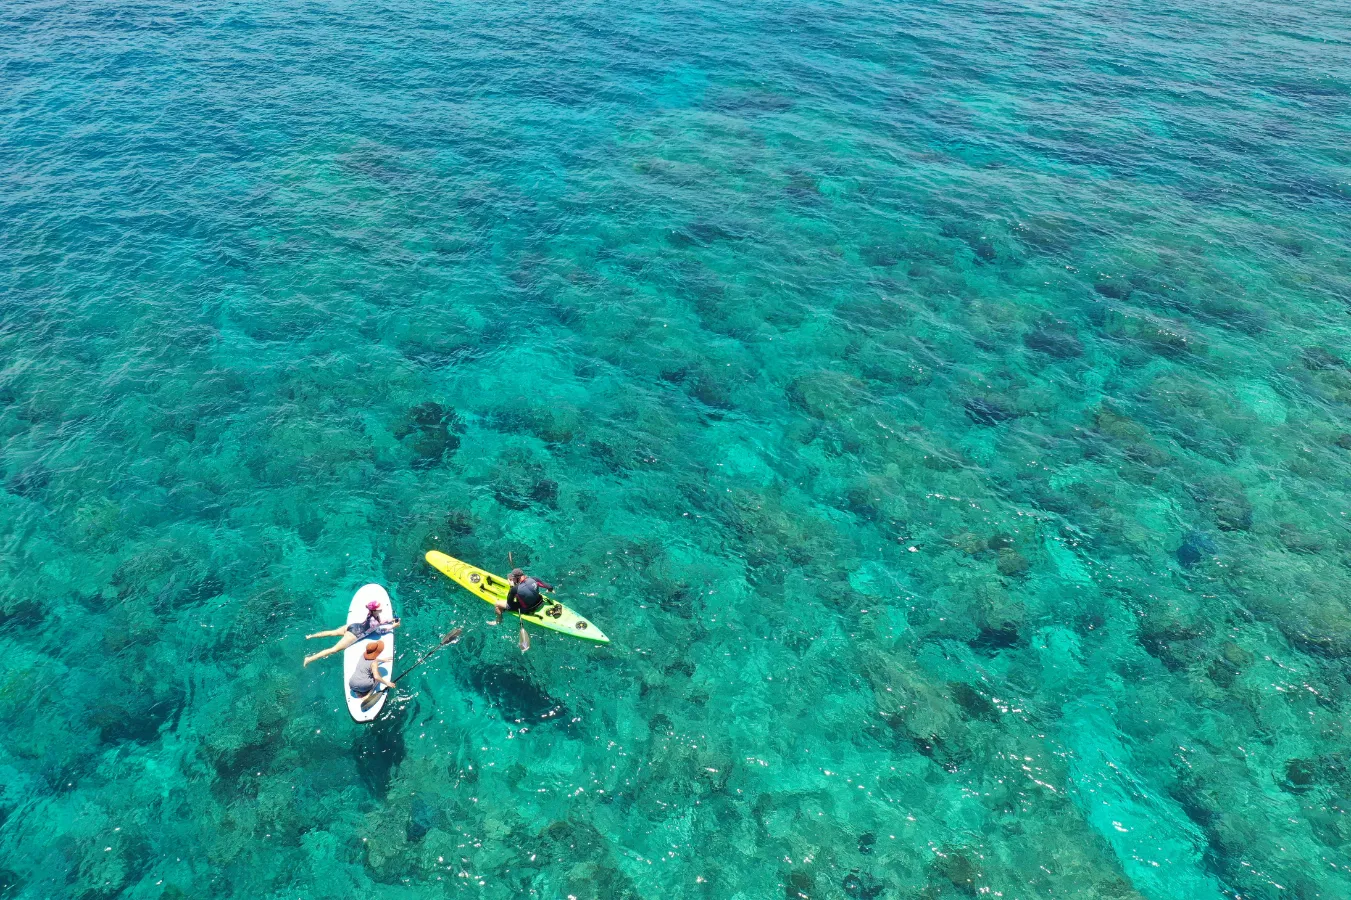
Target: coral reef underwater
(944, 409)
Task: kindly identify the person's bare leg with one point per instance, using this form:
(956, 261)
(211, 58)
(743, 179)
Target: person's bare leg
(501, 608)
(348, 640)
(336, 632)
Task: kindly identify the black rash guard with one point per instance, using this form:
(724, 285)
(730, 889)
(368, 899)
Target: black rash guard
(526, 597)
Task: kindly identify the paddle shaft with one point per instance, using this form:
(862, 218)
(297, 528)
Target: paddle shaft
(511, 562)
(422, 659)
(525, 638)
(446, 641)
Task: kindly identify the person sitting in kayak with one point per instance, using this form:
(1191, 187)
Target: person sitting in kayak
(523, 594)
(524, 599)
(365, 678)
(350, 634)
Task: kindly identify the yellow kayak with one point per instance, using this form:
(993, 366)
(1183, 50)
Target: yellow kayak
(491, 588)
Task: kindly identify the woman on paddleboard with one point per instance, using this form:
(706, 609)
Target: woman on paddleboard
(350, 634)
(366, 677)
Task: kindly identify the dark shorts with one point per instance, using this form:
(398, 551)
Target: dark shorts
(515, 605)
(359, 629)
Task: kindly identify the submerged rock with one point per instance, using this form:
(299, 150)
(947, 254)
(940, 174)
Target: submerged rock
(1304, 774)
(1317, 359)
(1011, 563)
(1054, 342)
(973, 704)
(1226, 500)
(1115, 288)
(1196, 546)
(520, 482)
(432, 432)
(138, 716)
(975, 238)
(800, 886)
(516, 695)
(1300, 775)
(993, 638)
(999, 542)
(1172, 635)
(1226, 667)
(702, 234)
(585, 861)
(879, 257)
(459, 523)
(378, 752)
(828, 395)
(545, 491)
(862, 886)
(959, 870)
(1297, 540)
(1045, 234)
(968, 542)
(422, 818)
(987, 412)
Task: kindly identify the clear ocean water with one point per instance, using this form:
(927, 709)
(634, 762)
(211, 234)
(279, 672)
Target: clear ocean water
(946, 409)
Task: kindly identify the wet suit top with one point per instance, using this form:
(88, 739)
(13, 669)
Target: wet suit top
(526, 597)
(371, 626)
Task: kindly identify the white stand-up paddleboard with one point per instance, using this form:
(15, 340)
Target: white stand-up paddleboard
(354, 655)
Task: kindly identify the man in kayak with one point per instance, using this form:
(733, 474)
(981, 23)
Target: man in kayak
(523, 598)
(523, 594)
(350, 634)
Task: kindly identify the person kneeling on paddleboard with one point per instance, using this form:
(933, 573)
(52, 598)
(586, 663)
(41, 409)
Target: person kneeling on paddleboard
(365, 678)
(350, 634)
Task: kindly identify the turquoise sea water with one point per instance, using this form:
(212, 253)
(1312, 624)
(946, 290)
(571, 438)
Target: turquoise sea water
(943, 407)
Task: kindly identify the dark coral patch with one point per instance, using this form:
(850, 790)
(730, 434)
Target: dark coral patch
(987, 412)
(432, 432)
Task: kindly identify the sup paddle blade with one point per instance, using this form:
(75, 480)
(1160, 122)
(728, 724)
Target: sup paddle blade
(371, 699)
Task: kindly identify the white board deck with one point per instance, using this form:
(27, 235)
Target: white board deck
(353, 655)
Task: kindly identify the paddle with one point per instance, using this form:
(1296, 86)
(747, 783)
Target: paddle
(446, 640)
(525, 638)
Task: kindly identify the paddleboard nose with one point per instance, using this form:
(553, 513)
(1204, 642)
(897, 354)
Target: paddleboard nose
(372, 593)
